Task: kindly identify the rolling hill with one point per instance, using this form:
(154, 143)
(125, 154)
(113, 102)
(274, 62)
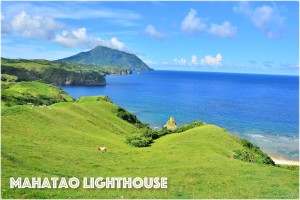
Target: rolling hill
(16, 70)
(104, 56)
(62, 142)
(33, 93)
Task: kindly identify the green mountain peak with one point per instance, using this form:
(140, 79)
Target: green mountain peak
(105, 56)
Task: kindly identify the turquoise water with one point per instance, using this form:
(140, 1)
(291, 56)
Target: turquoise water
(261, 108)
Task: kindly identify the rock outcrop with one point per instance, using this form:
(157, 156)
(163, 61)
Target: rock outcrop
(171, 124)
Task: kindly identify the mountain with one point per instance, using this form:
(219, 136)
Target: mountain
(105, 56)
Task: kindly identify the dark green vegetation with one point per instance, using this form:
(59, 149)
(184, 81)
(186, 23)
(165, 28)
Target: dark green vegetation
(54, 72)
(62, 142)
(9, 78)
(127, 116)
(105, 56)
(252, 153)
(148, 135)
(33, 93)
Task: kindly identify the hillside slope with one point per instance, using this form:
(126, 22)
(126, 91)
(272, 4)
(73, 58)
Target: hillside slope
(62, 141)
(105, 56)
(51, 72)
(34, 93)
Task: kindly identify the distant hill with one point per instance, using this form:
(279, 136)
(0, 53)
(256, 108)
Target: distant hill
(104, 56)
(56, 73)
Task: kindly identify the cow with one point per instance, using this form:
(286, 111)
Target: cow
(102, 149)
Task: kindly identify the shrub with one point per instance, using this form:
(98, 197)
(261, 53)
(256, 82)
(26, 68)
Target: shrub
(189, 126)
(247, 144)
(127, 116)
(252, 153)
(106, 98)
(139, 140)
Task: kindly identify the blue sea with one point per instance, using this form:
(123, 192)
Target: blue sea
(261, 108)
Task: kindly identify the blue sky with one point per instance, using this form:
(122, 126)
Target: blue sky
(243, 37)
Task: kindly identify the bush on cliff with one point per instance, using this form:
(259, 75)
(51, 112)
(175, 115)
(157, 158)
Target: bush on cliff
(127, 116)
(252, 153)
(148, 135)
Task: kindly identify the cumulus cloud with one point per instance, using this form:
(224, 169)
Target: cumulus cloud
(266, 18)
(212, 61)
(76, 38)
(181, 61)
(193, 24)
(194, 59)
(80, 38)
(34, 26)
(116, 44)
(46, 28)
(224, 30)
(153, 33)
(206, 61)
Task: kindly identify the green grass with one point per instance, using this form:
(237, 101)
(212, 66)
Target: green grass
(62, 141)
(40, 66)
(9, 78)
(19, 93)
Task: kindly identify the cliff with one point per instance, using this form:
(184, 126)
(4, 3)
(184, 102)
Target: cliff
(49, 72)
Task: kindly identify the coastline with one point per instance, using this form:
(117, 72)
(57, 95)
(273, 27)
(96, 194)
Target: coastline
(282, 161)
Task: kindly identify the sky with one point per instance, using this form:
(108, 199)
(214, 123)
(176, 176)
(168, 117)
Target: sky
(233, 36)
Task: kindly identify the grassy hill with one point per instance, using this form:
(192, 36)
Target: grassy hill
(62, 142)
(101, 55)
(35, 93)
(51, 72)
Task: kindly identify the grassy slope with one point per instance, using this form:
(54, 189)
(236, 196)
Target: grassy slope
(31, 92)
(41, 65)
(62, 141)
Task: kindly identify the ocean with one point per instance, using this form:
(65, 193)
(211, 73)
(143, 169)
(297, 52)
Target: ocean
(261, 108)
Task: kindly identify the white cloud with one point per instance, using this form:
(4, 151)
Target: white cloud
(266, 18)
(34, 26)
(153, 33)
(74, 10)
(224, 30)
(181, 61)
(116, 44)
(5, 27)
(212, 61)
(194, 59)
(192, 24)
(243, 7)
(150, 62)
(43, 27)
(79, 38)
(75, 38)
